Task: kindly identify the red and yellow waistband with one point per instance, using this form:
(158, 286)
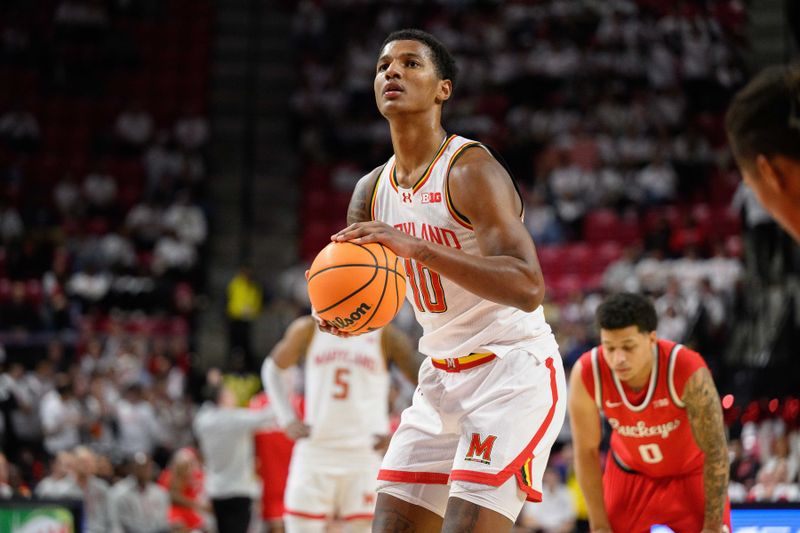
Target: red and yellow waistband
(457, 364)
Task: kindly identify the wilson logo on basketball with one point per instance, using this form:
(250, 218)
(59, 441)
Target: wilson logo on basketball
(431, 197)
(479, 450)
(355, 316)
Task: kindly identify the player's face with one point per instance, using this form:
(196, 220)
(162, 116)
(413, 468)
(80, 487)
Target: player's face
(406, 79)
(629, 353)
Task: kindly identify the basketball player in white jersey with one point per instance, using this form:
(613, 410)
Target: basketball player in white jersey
(491, 397)
(340, 441)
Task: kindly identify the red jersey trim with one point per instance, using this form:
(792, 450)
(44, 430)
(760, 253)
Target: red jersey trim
(374, 196)
(404, 476)
(307, 516)
(392, 178)
(425, 175)
(598, 382)
(651, 388)
(673, 357)
(461, 219)
(525, 456)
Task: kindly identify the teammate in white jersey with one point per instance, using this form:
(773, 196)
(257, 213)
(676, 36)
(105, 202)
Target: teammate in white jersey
(346, 422)
(491, 397)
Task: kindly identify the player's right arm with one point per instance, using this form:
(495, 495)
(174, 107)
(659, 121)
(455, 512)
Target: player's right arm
(360, 202)
(286, 354)
(584, 419)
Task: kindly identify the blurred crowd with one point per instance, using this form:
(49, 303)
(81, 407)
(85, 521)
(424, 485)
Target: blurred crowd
(103, 225)
(102, 170)
(608, 113)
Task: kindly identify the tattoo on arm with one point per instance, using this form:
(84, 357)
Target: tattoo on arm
(705, 416)
(391, 521)
(359, 208)
(461, 516)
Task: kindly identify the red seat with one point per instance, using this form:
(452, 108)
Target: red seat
(724, 223)
(316, 235)
(600, 225)
(607, 253)
(653, 216)
(577, 258)
(550, 259)
(33, 291)
(5, 289)
(561, 286)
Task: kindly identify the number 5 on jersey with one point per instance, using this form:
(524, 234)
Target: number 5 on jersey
(343, 387)
(427, 288)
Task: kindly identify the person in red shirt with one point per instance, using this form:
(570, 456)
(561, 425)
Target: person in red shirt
(183, 478)
(668, 462)
(273, 455)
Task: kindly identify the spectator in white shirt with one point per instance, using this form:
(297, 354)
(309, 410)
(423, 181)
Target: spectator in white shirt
(11, 226)
(139, 430)
(658, 180)
(672, 324)
(67, 196)
(138, 504)
(186, 219)
(225, 433)
(134, 127)
(171, 253)
(57, 484)
(20, 129)
(144, 222)
(100, 190)
(84, 484)
(191, 130)
(89, 285)
(620, 275)
(61, 417)
(773, 486)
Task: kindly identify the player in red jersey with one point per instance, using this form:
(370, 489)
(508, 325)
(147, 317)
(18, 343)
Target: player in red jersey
(668, 462)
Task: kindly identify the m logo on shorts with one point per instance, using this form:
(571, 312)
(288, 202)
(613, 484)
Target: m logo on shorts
(479, 450)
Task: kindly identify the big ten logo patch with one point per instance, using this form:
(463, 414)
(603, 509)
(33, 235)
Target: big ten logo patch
(480, 451)
(431, 197)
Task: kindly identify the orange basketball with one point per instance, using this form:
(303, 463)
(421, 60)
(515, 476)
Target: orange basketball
(356, 287)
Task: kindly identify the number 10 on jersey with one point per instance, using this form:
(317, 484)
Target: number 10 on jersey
(426, 286)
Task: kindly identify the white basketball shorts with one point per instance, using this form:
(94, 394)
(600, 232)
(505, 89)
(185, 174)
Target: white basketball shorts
(481, 432)
(325, 484)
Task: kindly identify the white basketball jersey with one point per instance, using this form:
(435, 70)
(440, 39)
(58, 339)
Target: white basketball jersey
(347, 390)
(455, 321)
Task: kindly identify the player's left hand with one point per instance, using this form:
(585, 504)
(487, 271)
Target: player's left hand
(326, 327)
(381, 443)
(402, 244)
(297, 430)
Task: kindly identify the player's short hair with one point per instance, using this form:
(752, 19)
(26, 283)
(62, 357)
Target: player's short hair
(442, 59)
(764, 116)
(627, 309)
